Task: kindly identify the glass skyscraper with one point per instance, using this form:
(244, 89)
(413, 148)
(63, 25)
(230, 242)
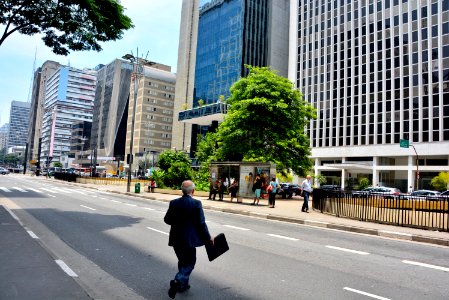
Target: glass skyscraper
(378, 73)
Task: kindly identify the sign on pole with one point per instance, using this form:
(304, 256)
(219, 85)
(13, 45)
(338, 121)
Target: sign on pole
(404, 143)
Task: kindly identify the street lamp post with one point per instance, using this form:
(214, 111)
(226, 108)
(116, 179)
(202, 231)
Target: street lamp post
(417, 167)
(136, 72)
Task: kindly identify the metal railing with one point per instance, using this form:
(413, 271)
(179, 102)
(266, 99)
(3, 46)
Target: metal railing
(430, 213)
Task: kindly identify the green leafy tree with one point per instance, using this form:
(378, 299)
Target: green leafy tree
(66, 24)
(206, 146)
(201, 177)
(57, 164)
(11, 159)
(176, 166)
(441, 182)
(266, 122)
(364, 183)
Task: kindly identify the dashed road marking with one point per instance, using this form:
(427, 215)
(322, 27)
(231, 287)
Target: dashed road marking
(48, 190)
(19, 189)
(347, 250)
(157, 230)
(148, 208)
(283, 237)
(115, 201)
(235, 227)
(365, 293)
(32, 234)
(66, 268)
(129, 204)
(5, 189)
(35, 190)
(426, 265)
(87, 207)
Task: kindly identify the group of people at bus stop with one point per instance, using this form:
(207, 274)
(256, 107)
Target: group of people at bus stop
(261, 187)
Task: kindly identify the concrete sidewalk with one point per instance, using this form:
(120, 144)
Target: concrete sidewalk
(289, 210)
(27, 271)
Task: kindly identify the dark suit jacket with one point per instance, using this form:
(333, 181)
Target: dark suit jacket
(188, 225)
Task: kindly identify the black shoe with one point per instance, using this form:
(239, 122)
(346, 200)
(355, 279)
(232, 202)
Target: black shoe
(174, 287)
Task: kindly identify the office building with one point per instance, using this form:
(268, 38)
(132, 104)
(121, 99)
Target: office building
(18, 124)
(377, 72)
(110, 117)
(154, 111)
(217, 39)
(4, 130)
(41, 76)
(69, 97)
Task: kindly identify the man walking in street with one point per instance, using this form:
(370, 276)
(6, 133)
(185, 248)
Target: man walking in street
(188, 231)
(306, 190)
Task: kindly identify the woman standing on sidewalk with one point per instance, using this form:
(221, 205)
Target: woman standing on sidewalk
(272, 189)
(257, 187)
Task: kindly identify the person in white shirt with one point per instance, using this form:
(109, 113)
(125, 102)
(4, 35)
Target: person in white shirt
(306, 190)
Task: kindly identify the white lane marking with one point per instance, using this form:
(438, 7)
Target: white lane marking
(148, 208)
(5, 189)
(87, 191)
(129, 204)
(32, 234)
(94, 196)
(347, 250)
(79, 192)
(65, 190)
(163, 232)
(365, 293)
(50, 195)
(103, 198)
(19, 189)
(66, 268)
(235, 227)
(48, 190)
(282, 237)
(35, 190)
(116, 201)
(425, 265)
(87, 207)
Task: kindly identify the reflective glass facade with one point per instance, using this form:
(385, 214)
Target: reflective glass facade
(230, 35)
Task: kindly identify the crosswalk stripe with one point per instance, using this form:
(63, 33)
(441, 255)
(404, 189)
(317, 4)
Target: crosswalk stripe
(48, 190)
(5, 189)
(19, 189)
(79, 192)
(35, 190)
(65, 190)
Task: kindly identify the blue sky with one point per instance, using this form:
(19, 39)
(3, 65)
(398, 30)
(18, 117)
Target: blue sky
(156, 29)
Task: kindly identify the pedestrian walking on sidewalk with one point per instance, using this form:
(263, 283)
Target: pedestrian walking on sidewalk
(306, 190)
(272, 190)
(188, 230)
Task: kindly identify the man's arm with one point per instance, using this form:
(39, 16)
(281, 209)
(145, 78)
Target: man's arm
(169, 216)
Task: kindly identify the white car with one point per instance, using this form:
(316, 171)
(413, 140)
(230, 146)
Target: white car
(4, 171)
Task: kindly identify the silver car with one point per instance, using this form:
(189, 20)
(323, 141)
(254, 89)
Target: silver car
(386, 192)
(4, 171)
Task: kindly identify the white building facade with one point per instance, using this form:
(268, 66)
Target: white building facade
(377, 72)
(69, 97)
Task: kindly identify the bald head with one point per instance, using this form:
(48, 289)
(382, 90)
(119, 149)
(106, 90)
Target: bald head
(187, 187)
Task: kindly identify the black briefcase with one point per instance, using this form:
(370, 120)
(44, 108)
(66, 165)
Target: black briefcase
(220, 246)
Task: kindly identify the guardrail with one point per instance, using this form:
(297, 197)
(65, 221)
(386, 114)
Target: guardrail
(112, 180)
(430, 213)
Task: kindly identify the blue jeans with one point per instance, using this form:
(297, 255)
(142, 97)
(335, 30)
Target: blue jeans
(186, 264)
(305, 205)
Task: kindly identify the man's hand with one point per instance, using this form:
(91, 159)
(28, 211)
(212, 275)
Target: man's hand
(211, 241)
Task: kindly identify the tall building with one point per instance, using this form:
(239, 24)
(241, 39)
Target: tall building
(217, 39)
(18, 124)
(69, 97)
(41, 76)
(154, 111)
(80, 148)
(111, 109)
(4, 130)
(377, 72)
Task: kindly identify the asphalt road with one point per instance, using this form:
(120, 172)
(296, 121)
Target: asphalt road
(117, 245)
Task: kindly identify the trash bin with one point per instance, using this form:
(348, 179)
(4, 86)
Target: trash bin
(137, 188)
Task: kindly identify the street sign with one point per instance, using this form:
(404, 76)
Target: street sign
(404, 143)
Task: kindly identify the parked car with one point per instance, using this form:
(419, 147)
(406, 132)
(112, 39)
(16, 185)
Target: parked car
(442, 196)
(386, 192)
(334, 190)
(363, 193)
(4, 171)
(288, 190)
(422, 194)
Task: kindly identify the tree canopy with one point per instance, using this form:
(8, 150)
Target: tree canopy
(265, 122)
(66, 24)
